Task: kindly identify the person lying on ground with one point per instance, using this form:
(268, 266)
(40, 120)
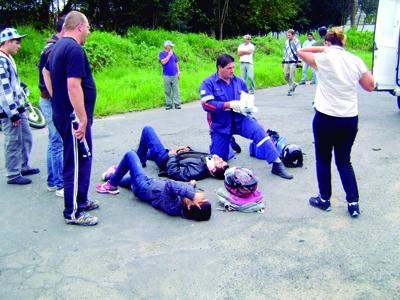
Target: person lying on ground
(172, 197)
(183, 163)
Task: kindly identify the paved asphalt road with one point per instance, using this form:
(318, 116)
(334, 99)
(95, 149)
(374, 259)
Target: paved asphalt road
(292, 251)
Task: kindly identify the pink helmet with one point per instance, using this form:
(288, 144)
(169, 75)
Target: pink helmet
(240, 182)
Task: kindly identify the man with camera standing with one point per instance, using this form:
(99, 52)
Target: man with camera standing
(17, 134)
(290, 60)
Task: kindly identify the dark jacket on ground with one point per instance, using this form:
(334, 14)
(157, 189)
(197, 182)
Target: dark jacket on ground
(166, 195)
(186, 166)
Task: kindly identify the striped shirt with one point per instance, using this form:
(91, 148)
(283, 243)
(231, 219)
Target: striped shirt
(290, 56)
(12, 100)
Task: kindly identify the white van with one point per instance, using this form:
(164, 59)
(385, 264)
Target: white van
(385, 63)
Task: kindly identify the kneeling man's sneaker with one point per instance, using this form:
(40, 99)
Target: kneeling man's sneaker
(320, 203)
(354, 209)
(107, 174)
(107, 188)
(84, 220)
(235, 146)
(279, 169)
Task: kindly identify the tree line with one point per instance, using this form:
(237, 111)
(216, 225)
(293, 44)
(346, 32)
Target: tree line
(220, 18)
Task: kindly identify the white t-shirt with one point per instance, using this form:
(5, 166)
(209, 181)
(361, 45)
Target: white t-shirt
(248, 58)
(338, 73)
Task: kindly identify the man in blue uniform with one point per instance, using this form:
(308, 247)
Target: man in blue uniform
(220, 96)
(70, 83)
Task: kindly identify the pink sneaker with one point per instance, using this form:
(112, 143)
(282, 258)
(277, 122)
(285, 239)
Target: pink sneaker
(107, 174)
(107, 188)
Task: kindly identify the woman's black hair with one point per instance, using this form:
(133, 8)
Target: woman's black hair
(220, 172)
(197, 214)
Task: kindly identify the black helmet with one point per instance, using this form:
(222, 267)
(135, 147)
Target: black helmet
(292, 157)
(240, 182)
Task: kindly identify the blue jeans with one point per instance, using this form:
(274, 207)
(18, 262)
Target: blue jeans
(54, 148)
(337, 134)
(138, 181)
(247, 72)
(150, 148)
(305, 70)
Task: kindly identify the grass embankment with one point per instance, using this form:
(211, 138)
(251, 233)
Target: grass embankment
(128, 74)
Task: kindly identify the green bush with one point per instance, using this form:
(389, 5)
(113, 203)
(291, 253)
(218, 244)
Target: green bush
(99, 54)
(128, 73)
(359, 40)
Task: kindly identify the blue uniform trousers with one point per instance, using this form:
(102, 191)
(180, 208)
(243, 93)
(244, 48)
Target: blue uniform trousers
(151, 148)
(247, 127)
(77, 169)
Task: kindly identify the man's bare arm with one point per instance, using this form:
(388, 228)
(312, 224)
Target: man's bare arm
(75, 94)
(47, 81)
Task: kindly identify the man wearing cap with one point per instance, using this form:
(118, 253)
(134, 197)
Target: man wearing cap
(322, 33)
(70, 83)
(17, 134)
(171, 74)
(245, 51)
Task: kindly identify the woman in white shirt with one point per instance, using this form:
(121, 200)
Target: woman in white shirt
(335, 122)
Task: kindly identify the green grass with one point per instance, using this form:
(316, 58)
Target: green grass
(128, 74)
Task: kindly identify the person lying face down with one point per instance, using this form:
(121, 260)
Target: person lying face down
(170, 196)
(183, 163)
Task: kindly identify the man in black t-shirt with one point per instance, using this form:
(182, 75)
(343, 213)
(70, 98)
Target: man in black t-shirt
(69, 80)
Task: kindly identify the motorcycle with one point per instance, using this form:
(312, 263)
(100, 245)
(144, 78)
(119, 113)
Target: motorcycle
(35, 116)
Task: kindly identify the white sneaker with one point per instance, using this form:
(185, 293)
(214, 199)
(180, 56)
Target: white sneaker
(60, 193)
(51, 188)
